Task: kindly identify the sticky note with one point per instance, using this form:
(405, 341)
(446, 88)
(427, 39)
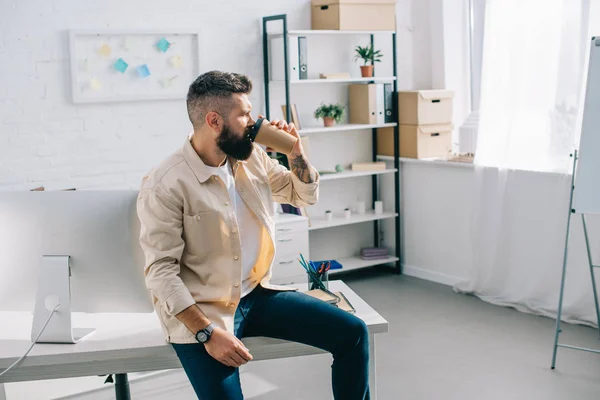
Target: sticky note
(105, 50)
(121, 65)
(163, 45)
(95, 84)
(84, 65)
(143, 71)
(126, 44)
(176, 61)
(169, 81)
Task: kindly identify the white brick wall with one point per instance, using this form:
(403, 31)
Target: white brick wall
(47, 140)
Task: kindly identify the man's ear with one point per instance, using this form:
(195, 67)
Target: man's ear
(214, 121)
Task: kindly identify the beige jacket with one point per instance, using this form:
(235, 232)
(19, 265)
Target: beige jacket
(190, 239)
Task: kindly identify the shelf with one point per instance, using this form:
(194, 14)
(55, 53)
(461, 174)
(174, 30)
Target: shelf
(323, 32)
(353, 174)
(344, 80)
(343, 127)
(340, 220)
(352, 263)
(428, 161)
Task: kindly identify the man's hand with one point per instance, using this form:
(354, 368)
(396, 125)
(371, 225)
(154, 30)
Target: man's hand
(291, 129)
(298, 162)
(227, 349)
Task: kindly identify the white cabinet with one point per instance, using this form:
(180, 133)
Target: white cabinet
(291, 239)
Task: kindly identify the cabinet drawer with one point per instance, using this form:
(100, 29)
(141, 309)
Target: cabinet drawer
(290, 228)
(291, 243)
(287, 261)
(287, 269)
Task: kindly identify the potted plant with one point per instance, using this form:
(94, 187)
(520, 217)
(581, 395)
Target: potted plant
(330, 113)
(369, 56)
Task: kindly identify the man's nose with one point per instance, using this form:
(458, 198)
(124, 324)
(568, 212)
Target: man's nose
(251, 121)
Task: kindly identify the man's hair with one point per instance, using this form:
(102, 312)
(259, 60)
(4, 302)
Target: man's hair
(212, 91)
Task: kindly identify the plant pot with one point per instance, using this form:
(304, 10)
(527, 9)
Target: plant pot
(366, 71)
(328, 121)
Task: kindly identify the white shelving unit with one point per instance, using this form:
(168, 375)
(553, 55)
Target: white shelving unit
(325, 32)
(354, 174)
(340, 220)
(343, 127)
(352, 263)
(374, 79)
(317, 223)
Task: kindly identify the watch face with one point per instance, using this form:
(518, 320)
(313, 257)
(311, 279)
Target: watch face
(202, 337)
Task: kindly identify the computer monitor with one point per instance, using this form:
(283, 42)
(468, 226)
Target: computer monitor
(92, 235)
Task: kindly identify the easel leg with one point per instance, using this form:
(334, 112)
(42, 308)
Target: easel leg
(593, 276)
(564, 268)
(372, 369)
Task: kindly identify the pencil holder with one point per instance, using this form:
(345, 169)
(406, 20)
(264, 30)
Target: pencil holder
(314, 284)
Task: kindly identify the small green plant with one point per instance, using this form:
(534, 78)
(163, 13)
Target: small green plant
(335, 111)
(368, 54)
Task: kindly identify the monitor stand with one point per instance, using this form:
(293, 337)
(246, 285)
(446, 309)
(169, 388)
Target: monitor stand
(54, 287)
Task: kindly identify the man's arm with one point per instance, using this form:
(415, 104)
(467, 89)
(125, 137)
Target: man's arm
(193, 318)
(302, 169)
(298, 186)
(161, 240)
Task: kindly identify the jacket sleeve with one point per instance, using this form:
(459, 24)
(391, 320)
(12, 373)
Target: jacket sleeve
(161, 240)
(286, 186)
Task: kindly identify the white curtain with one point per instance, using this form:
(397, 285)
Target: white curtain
(534, 65)
(532, 74)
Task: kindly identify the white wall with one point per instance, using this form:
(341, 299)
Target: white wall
(47, 140)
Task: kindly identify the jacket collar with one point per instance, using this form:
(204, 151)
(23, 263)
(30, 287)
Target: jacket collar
(201, 170)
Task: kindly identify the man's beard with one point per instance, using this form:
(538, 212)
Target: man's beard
(240, 148)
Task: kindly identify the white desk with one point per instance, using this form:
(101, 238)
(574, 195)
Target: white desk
(134, 343)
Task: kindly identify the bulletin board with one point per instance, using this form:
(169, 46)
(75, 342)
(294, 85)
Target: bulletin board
(115, 66)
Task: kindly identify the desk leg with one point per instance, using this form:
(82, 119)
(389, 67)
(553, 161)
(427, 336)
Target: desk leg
(372, 368)
(122, 387)
(2, 392)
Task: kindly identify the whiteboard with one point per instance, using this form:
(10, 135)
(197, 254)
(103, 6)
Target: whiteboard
(113, 66)
(587, 180)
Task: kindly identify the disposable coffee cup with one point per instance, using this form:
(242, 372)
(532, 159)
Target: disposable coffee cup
(271, 136)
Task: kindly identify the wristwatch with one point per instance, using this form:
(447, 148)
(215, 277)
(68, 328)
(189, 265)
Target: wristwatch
(203, 335)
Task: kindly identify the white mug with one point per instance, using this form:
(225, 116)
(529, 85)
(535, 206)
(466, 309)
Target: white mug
(379, 207)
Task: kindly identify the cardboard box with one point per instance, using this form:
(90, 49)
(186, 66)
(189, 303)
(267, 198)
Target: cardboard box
(417, 141)
(425, 107)
(354, 15)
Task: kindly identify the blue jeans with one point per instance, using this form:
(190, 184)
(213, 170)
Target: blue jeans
(290, 316)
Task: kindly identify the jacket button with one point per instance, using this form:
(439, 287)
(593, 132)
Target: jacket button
(233, 230)
(198, 217)
(232, 305)
(236, 257)
(226, 203)
(237, 284)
